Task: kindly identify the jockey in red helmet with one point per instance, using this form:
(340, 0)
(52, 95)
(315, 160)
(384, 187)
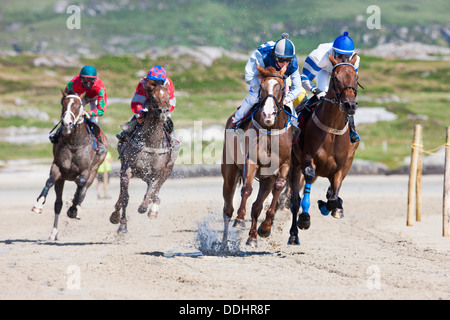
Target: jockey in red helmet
(156, 76)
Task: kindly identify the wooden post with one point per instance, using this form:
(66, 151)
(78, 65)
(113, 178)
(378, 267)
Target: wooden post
(446, 206)
(413, 174)
(419, 178)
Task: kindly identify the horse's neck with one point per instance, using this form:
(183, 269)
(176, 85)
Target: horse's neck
(153, 132)
(331, 115)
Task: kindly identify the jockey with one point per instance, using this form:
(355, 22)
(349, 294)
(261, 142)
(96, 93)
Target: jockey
(87, 81)
(156, 76)
(317, 64)
(275, 54)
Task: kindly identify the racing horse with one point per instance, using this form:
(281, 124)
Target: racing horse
(74, 159)
(266, 156)
(327, 150)
(147, 156)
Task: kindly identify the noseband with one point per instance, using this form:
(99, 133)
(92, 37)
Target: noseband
(76, 119)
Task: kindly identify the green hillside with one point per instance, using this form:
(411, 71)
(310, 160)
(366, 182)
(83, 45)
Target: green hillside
(118, 26)
(211, 94)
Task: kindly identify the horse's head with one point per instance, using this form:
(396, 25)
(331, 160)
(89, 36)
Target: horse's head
(344, 83)
(72, 111)
(271, 93)
(159, 101)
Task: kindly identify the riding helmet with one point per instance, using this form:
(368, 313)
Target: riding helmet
(157, 73)
(344, 44)
(88, 71)
(284, 48)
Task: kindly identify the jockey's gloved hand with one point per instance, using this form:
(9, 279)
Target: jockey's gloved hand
(86, 114)
(318, 93)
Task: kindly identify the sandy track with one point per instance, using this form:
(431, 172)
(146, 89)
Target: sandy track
(370, 254)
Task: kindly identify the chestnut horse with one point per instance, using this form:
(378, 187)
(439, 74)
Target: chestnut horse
(327, 150)
(147, 156)
(267, 143)
(74, 159)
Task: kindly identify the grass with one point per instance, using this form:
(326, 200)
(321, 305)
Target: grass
(211, 94)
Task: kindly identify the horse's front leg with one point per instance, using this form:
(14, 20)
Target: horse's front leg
(55, 174)
(59, 186)
(153, 196)
(80, 193)
(122, 201)
(334, 203)
(304, 219)
(294, 182)
(230, 174)
(265, 186)
(246, 191)
(280, 183)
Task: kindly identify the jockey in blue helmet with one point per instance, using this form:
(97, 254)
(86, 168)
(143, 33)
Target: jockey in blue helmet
(276, 54)
(317, 64)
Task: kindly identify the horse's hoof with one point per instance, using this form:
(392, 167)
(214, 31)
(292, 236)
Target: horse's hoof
(304, 221)
(72, 212)
(338, 213)
(142, 210)
(263, 233)
(114, 218)
(122, 229)
(323, 207)
(53, 235)
(252, 242)
(238, 223)
(294, 240)
(36, 209)
(152, 215)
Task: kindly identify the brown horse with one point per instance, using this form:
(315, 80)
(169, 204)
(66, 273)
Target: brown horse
(327, 150)
(147, 156)
(74, 159)
(267, 149)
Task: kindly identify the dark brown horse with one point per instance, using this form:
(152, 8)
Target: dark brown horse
(147, 156)
(327, 150)
(74, 159)
(267, 151)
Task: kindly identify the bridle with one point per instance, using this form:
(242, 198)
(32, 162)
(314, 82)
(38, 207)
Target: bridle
(337, 94)
(280, 107)
(76, 119)
(279, 104)
(154, 103)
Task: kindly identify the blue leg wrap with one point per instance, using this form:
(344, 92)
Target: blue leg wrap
(324, 211)
(306, 202)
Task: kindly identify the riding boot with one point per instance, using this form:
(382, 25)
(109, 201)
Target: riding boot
(354, 136)
(55, 137)
(101, 146)
(127, 129)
